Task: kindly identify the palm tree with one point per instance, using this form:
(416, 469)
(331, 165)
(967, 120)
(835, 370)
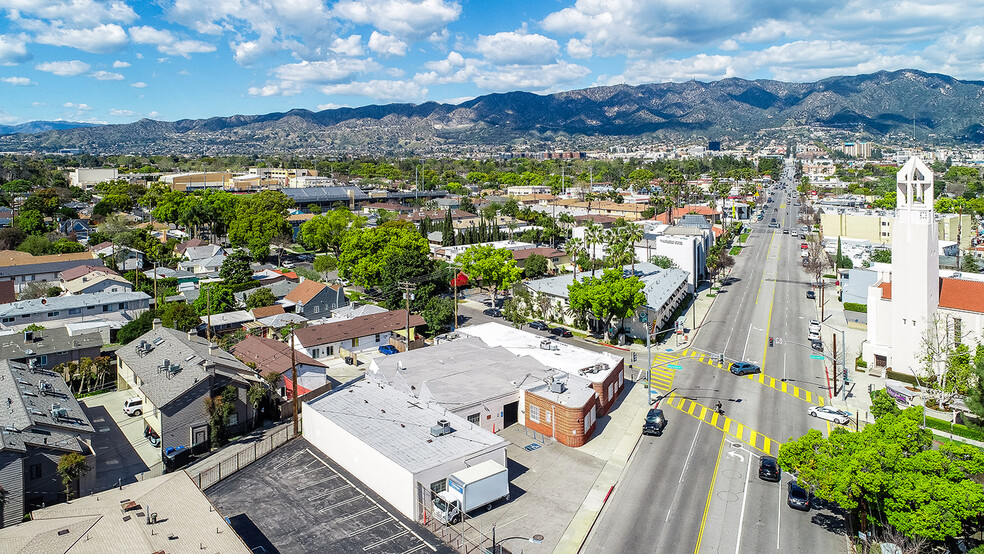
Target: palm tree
(575, 247)
(594, 234)
(633, 234)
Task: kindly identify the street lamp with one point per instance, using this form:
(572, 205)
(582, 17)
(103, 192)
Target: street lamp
(843, 357)
(497, 546)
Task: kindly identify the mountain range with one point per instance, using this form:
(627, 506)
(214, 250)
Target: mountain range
(40, 126)
(875, 104)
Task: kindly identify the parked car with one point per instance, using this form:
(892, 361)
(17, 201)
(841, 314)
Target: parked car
(769, 469)
(288, 264)
(133, 406)
(797, 497)
(744, 368)
(561, 332)
(655, 422)
(785, 231)
(388, 349)
(493, 312)
(816, 345)
(804, 246)
(539, 326)
(830, 414)
(814, 325)
(814, 335)
(811, 295)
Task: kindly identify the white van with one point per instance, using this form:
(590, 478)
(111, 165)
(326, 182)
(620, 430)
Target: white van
(133, 406)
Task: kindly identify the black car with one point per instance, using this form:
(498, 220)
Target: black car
(539, 326)
(654, 422)
(493, 312)
(798, 498)
(816, 345)
(769, 469)
(744, 368)
(561, 332)
(811, 295)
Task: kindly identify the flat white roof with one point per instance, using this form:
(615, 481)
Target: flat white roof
(565, 357)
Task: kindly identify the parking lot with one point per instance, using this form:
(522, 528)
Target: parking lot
(296, 500)
(122, 451)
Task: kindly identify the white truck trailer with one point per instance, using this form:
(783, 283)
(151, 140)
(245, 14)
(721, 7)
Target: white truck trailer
(470, 489)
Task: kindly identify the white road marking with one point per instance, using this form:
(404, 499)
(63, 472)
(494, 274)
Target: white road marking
(778, 511)
(744, 497)
(734, 454)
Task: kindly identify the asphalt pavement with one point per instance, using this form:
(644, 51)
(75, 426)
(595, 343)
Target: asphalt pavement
(696, 488)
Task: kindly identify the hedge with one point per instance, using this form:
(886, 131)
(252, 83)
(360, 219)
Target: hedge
(855, 307)
(959, 430)
(904, 377)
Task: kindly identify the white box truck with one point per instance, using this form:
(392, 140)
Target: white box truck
(470, 489)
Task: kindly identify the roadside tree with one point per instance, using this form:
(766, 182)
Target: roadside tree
(494, 268)
(609, 297)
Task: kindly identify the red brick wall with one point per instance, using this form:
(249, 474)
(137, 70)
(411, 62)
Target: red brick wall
(569, 422)
(605, 402)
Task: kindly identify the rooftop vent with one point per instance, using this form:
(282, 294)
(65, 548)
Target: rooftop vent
(57, 412)
(45, 387)
(442, 428)
(28, 336)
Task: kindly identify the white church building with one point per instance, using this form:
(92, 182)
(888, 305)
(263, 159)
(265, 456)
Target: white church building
(904, 303)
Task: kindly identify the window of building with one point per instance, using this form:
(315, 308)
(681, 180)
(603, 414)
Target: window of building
(234, 419)
(35, 471)
(73, 311)
(52, 314)
(315, 352)
(957, 330)
(355, 342)
(329, 351)
(122, 306)
(880, 361)
(106, 307)
(43, 360)
(317, 308)
(438, 487)
(474, 419)
(377, 337)
(546, 416)
(535, 414)
(8, 319)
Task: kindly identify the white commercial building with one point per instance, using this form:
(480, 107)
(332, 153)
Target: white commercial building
(400, 446)
(87, 177)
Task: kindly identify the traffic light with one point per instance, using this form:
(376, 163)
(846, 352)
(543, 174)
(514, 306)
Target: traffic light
(770, 341)
(721, 358)
(633, 356)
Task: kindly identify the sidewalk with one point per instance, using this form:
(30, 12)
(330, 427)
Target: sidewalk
(858, 401)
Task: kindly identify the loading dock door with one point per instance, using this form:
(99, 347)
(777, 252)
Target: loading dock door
(510, 414)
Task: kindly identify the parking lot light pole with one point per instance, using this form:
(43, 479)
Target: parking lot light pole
(497, 546)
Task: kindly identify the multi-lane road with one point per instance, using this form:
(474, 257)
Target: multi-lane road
(696, 487)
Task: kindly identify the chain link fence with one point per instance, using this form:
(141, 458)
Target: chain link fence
(246, 451)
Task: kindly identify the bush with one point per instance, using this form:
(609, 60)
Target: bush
(860, 363)
(855, 307)
(959, 430)
(903, 377)
(136, 327)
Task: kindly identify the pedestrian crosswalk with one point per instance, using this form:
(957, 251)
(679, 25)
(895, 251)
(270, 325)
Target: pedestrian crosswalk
(731, 427)
(771, 382)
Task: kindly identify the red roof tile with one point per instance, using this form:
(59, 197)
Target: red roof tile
(955, 294)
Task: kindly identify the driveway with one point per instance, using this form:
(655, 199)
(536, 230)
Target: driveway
(122, 451)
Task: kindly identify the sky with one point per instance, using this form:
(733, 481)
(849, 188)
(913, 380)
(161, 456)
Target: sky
(117, 61)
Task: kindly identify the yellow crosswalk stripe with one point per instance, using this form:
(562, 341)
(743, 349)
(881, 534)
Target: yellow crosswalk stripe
(693, 406)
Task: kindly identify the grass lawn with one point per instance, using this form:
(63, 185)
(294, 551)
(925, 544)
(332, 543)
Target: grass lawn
(735, 250)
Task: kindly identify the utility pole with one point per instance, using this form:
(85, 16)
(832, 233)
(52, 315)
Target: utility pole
(456, 275)
(208, 311)
(293, 378)
(835, 366)
(406, 285)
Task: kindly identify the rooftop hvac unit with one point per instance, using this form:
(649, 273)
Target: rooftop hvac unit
(45, 387)
(557, 386)
(57, 412)
(442, 428)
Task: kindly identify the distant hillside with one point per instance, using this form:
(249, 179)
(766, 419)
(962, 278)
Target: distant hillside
(40, 126)
(878, 104)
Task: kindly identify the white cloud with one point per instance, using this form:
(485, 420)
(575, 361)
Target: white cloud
(408, 19)
(167, 43)
(351, 46)
(96, 40)
(13, 50)
(330, 71)
(139, 84)
(153, 114)
(81, 13)
(517, 48)
(387, 45)
(701, 67)
(106, 76)
(453, 69)
(380, 90)
(577, 48)
(65, 68)
(118, 64)
(331, 106)
(122, 113)
(18, 81)
(535, 78)
(79, 107)
(275, 89)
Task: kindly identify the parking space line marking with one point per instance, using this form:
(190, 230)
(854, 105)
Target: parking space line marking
(379, 542)
(371, 499)
(416, 548)
(337, 504)
(357, 514)
(373, 526)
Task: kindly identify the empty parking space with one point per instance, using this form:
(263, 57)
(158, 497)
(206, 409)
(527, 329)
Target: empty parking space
(297, 500)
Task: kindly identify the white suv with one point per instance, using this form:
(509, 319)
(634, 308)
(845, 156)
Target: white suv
(133, 406)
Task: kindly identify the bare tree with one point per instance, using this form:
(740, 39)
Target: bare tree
(946, 361)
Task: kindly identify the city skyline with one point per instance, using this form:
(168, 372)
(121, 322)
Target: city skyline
(116, 62)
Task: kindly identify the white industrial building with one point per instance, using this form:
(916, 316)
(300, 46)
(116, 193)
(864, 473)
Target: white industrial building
(399, 446)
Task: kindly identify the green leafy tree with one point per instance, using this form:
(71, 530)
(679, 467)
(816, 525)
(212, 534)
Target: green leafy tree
(257, 395)
(325, 264)
(438, 313)
(220, 409)
(314, 209)
(216, 299)
(180, 316)
(31, 222)
(493, 268)
(882, 404)
(889, 474)
(326, 233)
(260, 218)
(261, 298)
(536, 266)
(664, 262)
(975, 394)
(235, 269)
(71, 467)
(882, 255)
(366, 251)
(137, 327)
(608, 297)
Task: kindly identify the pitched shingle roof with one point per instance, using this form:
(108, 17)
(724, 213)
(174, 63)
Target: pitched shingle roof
(356, 327)
(267, 311)
(79, 271)
(270, 356)
(306, 291)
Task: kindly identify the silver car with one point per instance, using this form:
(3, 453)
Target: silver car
(830, 414)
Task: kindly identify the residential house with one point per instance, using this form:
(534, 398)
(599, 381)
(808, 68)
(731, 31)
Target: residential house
(111, 522)
(116, 308)
(203, 266)
(48, 348)
(279, 288)
(451, 253)
(388, 206)
(127, 259)
(82, 270)
(200, 250)
(556, 259)
(357, 334)
(271, 325)
(167, 273)
(182, 246)
(228, 322)
(80, 228)
(311, 298)
(173, 373)
(40, 422)
(273, 357)
(97, 281)
(24, 269)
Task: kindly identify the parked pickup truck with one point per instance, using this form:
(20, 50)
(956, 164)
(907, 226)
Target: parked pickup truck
(470, 489)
